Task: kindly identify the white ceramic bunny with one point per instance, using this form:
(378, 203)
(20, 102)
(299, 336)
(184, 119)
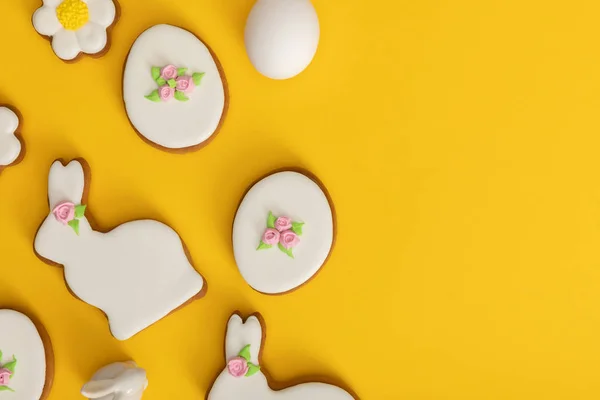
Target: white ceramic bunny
(137, 273)
(117, 381)
(241, 378)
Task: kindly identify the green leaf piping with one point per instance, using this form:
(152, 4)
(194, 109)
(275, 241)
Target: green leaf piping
(197, 77)
(180, 96)
(74, 223)
(271, 220)
(263, 246)
(155, 73)
(181, 71)
(286, 251)
(297, 228)
(245, 353)
(252, 369)
(161, 81)
(153, 97)
(172, 83)
(11, 365)
(4, 388)
(80, 210)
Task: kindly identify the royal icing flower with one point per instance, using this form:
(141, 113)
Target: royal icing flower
(5, 376)
(241, 366)
(282, 232)
(176, 80)
(68, 213)
(237, 366)
(271, 236)
(75, 26)
(289, 239)
(283, 223)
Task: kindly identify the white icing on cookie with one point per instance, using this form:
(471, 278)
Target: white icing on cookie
(10, 147)
(20, 338)
(137, 273)
(117, 381)
(173, 124)
(255, 387)
(296, 196)
(81, 33)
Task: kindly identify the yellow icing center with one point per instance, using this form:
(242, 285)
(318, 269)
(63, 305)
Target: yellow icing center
(73, 14)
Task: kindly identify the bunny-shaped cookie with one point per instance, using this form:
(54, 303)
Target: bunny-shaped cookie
(243, 378)
(117, 381)
(137, 273)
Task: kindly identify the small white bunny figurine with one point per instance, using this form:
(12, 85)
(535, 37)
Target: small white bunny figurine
(117, 381)
(242, 377)
(137, 273)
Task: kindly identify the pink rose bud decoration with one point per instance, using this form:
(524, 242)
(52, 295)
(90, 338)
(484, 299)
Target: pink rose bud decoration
(168, 72)
(166, 92)
(289, 239)
(64, 212)
(283, 224)
(271, 236)
(237, 367)
(4, 376)
(185, 84)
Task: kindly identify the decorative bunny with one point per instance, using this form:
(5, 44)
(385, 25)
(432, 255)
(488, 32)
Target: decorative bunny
(117, 381)
(242, 378)
(137, 273)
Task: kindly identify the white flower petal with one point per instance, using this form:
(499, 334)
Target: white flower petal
(9, 122)
(65, 45)
(45, 21)
(10, 148)
(102, 12)
(91, 38)
(52, 3)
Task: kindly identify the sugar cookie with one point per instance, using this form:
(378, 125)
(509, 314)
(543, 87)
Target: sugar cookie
(11, 148)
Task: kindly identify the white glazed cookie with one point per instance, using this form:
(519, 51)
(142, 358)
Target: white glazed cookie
(120, 380)
(22, 358)
(283, 232)
(75, 26)
(243, 378)
(10, 146)
(137, 273)
(173, 88)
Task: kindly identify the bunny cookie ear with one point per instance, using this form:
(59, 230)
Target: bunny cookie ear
(66, 183)
(240, 334)
(97, 389)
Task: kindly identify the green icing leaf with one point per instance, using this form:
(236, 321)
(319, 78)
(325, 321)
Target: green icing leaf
(74, 223)
(11, 365)
(0, 355)
(180, 96)
(245, 353)
(297, 228)
(252, 369)
(197, 77)
(181, 71)
(153, 96)
(155, 73)
(161, 81)
(172, 83)
(286, 251)
(271, 220)
(80, 210)
(263, 246)
(4, 388)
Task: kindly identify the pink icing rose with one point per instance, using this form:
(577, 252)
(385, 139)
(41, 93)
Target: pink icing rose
(64, 212)
(237, 366)
(283, 224)
(289, 239)
(169, 72)
(166, 92)
(271, 236)
(185, 84)
(4, 376)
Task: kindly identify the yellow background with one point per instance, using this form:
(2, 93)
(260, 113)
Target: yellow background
(459, 141)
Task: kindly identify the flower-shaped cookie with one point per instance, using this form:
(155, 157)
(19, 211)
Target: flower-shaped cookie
(75, 26)
(10, 146)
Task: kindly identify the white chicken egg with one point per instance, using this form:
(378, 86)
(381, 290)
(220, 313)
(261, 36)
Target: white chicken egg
(282, 37)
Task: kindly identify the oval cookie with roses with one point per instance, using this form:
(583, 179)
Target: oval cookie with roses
(26, 361)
